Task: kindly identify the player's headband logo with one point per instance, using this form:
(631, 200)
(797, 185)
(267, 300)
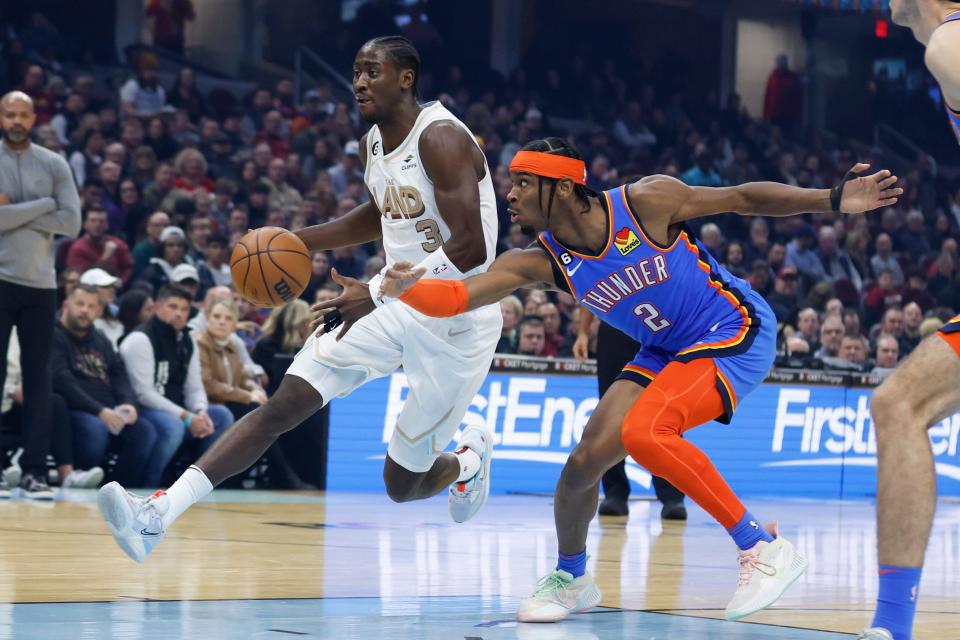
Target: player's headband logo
(549, 165)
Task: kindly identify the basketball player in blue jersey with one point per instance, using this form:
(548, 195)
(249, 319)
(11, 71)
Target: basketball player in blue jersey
(911, 400)
(707, 339)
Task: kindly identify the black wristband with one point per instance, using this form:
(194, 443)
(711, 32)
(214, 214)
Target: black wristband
(836, 194)
(332, 320)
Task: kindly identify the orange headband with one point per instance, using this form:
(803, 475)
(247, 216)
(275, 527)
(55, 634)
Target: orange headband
(549, 165)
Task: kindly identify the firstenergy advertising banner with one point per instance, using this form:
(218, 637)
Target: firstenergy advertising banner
(785, 439)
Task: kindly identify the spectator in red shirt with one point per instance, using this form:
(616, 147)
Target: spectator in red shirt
(191, 168)
(784, 96)
(273, 135)
(552, 326)
(33, 85)
(884, 293)
(169, 18)
(95, 248)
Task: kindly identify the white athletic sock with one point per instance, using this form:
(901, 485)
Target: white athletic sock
(469, 463)
(191, 487)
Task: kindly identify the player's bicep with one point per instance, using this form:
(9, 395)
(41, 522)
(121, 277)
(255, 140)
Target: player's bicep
(447, 153)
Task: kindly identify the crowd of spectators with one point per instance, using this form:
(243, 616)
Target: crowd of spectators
(169, 182)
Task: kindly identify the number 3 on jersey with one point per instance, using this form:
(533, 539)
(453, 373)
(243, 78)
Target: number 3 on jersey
(651, 316)
(431, 229)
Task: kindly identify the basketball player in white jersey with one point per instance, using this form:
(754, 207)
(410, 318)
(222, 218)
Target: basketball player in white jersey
(432, 203)
(912, 400)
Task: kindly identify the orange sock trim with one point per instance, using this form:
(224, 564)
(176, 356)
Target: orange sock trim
(437, 298)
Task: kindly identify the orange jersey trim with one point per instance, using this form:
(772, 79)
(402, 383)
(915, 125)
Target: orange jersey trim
(640, 227)
(561, 268)
(728, 389)
(646, 373)
(732, 299)
(609, 244)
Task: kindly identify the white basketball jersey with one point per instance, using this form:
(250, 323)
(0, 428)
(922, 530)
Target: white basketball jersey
(412, 225)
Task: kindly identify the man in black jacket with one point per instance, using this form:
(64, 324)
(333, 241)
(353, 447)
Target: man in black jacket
(92, 379)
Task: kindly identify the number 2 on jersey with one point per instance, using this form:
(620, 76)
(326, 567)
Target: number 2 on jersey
(434, 240)
(651, 316)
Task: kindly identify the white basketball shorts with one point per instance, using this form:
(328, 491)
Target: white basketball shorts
(445, 361)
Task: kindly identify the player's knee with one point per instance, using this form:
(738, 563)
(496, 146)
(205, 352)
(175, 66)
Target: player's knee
(646, 434)
(890, 410)
(584, 467)
(401, 491)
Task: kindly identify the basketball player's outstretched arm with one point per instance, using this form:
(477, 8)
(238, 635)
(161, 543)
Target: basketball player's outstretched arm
(444, 298)
(672, 201)
(360, 225)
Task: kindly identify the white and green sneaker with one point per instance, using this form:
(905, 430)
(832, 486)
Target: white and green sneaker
(558, 595)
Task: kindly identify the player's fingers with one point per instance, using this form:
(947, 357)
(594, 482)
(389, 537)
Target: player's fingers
(889, 182)
(860, 167)
(880, 175)
(890, 193)
(419, 271)
(403, 265)
(336, 277)
(889, 202)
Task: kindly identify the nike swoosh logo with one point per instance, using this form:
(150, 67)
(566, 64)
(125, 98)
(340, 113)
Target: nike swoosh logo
(570, 272)
(144, 532)
(453, 333)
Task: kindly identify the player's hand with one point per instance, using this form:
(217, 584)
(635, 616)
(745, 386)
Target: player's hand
(351, 305)
(399, 278)
(581, 347)
(867, 193)
(114, 421)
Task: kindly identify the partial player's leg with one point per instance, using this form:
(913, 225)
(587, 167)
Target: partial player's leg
(924, 389)
(683, 396)
(569, 588)
(138, 524)
(444, 375)
(325, 368)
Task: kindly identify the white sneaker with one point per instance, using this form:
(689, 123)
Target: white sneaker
(468, 497)
(79, 479)
(134, 521)
(558, 595)
(876, 633)
(12, 474)
(766, 571)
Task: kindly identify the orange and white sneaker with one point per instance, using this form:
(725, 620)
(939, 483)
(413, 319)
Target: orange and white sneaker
(558, 595)
(468, 497)
(135, 522)
(766, 571)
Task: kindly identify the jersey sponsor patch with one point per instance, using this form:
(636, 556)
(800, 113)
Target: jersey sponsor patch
(626, 241)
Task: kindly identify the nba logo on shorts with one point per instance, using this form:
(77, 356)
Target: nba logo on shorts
(626, 241)
(283, 290)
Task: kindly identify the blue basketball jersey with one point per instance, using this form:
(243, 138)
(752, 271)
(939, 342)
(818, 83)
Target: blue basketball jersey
(953, 115)
(675, 299)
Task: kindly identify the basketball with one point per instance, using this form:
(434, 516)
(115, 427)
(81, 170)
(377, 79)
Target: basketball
(270, 266)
